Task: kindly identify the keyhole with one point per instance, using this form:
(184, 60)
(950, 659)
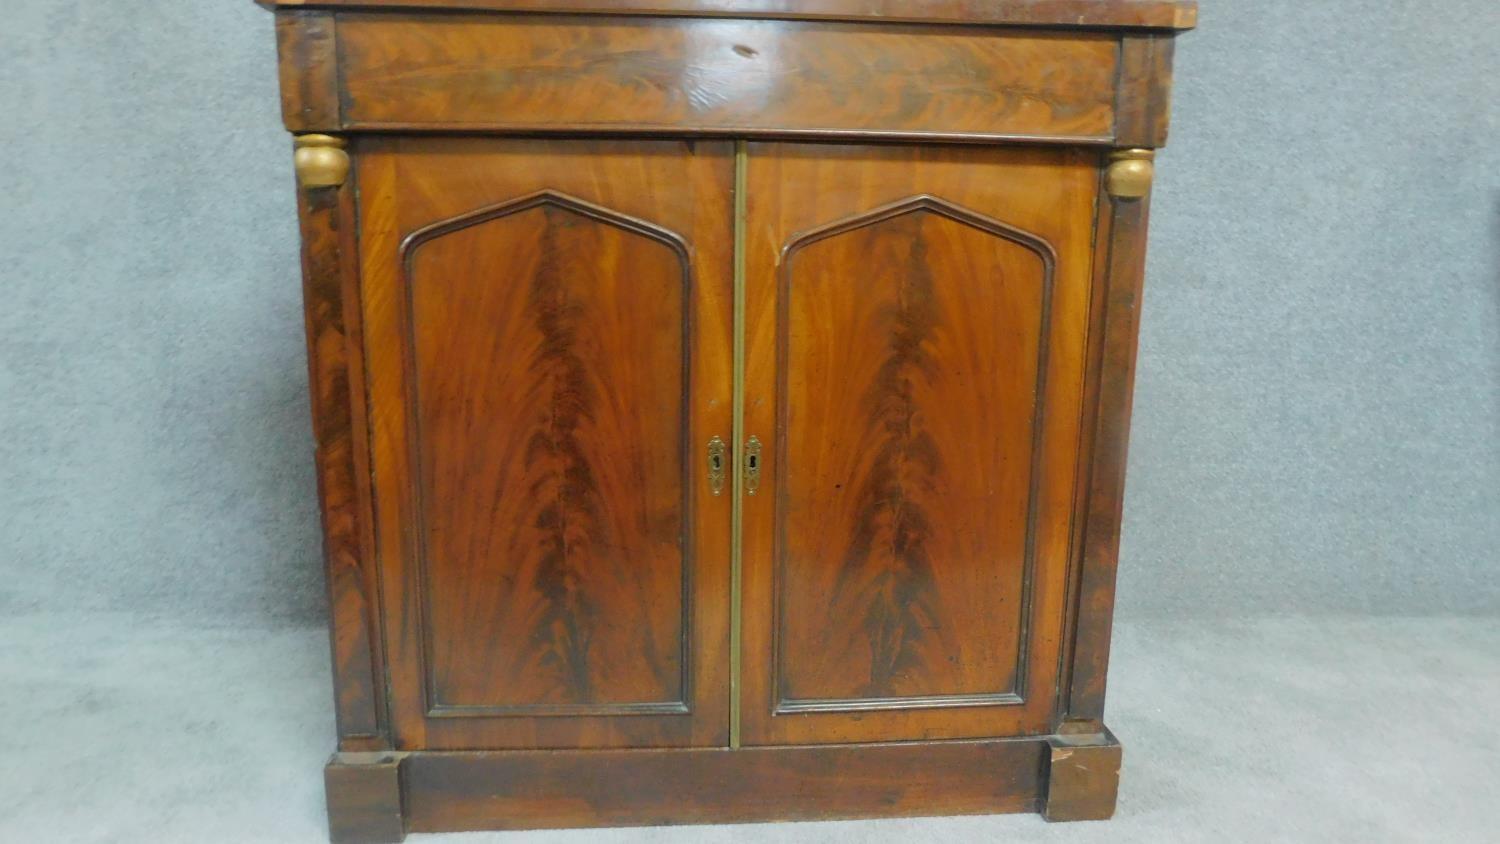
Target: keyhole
(716, 462)
(753, 461)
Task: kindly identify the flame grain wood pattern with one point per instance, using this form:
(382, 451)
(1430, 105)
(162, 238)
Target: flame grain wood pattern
(549, 336)
(934, 321)
(915, 330)
(542, 340)
(643, 74)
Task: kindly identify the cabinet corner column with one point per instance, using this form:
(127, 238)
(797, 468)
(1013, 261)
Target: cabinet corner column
(1119, 273)
(330, 288)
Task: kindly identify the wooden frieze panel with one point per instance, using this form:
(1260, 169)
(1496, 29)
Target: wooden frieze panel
(724, 76)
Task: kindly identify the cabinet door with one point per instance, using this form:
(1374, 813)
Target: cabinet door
(915, 354)
(546, 325)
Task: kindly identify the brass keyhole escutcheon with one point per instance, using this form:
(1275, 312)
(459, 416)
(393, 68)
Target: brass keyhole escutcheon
(717, 470)
(752, 465)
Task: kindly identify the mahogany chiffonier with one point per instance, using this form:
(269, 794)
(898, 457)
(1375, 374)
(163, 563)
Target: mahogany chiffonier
(721, 405)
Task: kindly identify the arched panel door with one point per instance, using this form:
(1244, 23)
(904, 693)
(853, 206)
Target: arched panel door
(548, 330)
(916, 324)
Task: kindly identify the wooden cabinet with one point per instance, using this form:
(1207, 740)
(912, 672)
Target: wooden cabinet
(721, 406)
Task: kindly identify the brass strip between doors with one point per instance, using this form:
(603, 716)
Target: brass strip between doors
(737, 494)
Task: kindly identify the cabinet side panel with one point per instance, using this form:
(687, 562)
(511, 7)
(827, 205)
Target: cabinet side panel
(330, 293)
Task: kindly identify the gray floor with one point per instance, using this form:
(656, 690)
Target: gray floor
(1360, 730)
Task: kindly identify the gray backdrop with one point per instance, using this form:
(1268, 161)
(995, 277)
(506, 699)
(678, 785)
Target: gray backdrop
(1318, 415)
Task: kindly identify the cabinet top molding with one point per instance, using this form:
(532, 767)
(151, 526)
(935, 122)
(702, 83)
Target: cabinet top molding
(1108, 14)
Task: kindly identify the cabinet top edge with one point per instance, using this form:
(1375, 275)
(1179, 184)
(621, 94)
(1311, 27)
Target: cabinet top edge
(1109, 14)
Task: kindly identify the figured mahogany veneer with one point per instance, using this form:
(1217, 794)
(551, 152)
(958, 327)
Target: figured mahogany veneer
(723, 77)
(721, 405)
(542, 370)
(920, 357)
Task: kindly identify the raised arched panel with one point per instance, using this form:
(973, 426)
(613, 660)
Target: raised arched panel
(911, 361)
(548, 375)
